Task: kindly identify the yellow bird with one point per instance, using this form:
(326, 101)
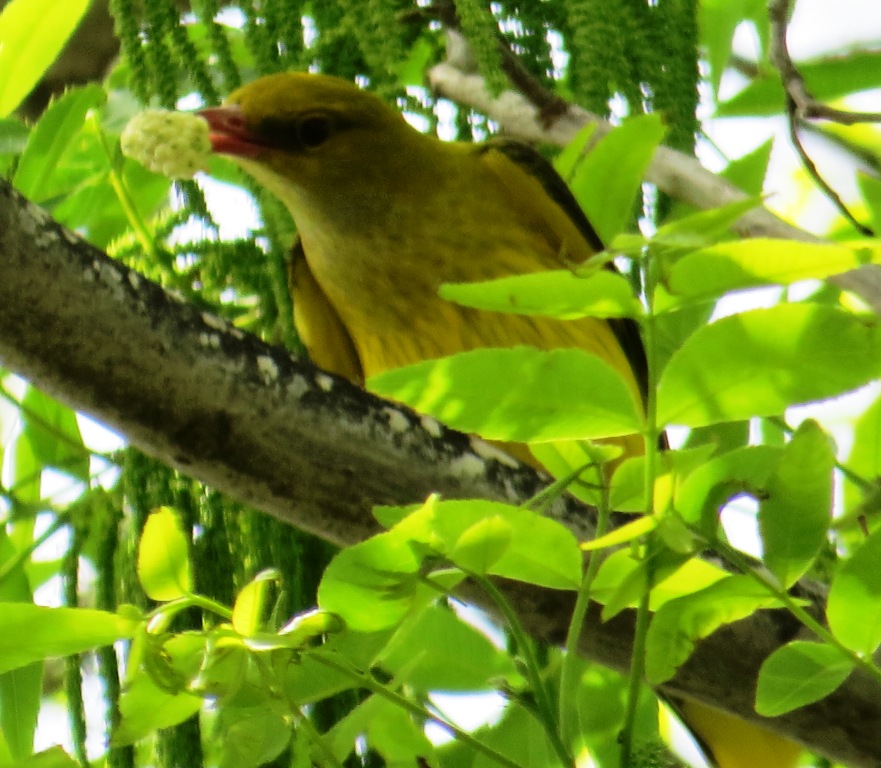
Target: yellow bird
(385, 215)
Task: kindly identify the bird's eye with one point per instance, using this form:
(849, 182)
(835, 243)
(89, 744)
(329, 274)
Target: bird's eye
(313, 131)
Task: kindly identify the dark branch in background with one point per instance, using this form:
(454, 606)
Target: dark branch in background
(800, 106)
(317, 452)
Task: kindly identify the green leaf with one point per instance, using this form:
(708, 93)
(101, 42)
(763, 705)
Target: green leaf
(480, 546)
(437, 650)
(249, 609)
(540, 551)
(518, 735)
(521, 394)
(706, 490)
(741, 264)
(623, 535)
(13, 137)
(144, 707)
(703, 228)
(559, 294)
(310, 681)
(798, 674)
(20, 698)
(680, 623)
(54, 757)
(54, 132)
(761, 362)
(718, 21)
(252, 736)
(372, 585)
(54, 434)
(163, 557)
(607, 180)
(622, 578)
(574, 152)
(853, 609)
(796, 509)
(32, 34)
(397, 738)
(748, 171)
(865, 461)
(32, 633)
(564, 458)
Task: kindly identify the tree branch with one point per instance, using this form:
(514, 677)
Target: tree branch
(317, 452)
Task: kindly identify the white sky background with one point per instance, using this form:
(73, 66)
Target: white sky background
(818, 26)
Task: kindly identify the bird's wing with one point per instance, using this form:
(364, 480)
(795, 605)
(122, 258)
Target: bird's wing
(321, 330)
(527, 176)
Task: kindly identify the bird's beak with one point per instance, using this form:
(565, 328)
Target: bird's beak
(229, 132)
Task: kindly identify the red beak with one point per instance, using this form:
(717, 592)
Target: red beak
(229, 132)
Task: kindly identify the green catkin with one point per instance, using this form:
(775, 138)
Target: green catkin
(180, 746)
(164, 68)
(333, 48)
(286, 18)
(678, 23)
(212, 553)
(598, 56)
(106, 535)
(218, 43)
(194, 200)
(380, 36)
(480, 28)
(73, 680)
(128, 31)
(188, 55)
(261, 46)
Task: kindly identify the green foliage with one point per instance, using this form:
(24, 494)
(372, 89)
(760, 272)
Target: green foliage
(797, 674)
(233, 625)
(28, 45)
(472, 392)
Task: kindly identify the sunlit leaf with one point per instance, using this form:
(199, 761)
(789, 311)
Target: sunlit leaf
(32, 34)
(798, 674)
(163, 557)
(854, 605)
(679, 624)
(620, 159)
(559, 294)
(761, 362)
(521, 394)
(33, 633)
(55, 130)
(740, 264)
(796, 508)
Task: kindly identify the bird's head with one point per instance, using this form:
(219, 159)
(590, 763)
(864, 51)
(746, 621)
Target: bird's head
(315, 141)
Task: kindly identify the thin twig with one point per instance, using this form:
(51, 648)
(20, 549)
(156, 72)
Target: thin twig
(800, 106)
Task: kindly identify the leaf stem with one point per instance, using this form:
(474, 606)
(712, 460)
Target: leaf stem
(372, 685)
(568, 682)
(734, 557)
(651, 436)
(543, 699)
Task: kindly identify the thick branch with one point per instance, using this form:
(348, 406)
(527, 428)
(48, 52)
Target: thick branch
(678, 175)
(315, 451)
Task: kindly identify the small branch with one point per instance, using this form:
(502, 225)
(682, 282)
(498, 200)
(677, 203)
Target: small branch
(800, 105)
